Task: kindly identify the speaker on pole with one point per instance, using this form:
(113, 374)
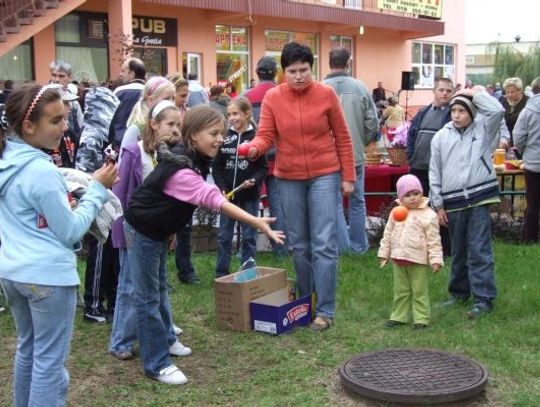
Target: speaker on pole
(407, 80)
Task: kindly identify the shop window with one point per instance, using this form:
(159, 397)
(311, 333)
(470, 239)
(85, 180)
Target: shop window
(81, 41)
(67, 29)
(431, 61)
(87, 64)
(17, 63)
(347, 43)
(232, 56)
(155, 59)
(276, 40)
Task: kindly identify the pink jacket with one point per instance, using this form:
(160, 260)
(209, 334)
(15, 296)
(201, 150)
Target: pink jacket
(416, 239)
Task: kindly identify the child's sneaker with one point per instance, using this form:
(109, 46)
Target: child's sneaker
(123, 355)
(390, 324)
(171, 375)
(418, 327)
(94, 317)
(177, 349)
(478, 310)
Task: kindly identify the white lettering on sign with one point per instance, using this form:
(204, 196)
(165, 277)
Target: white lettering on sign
(147, 40)
(237, 74)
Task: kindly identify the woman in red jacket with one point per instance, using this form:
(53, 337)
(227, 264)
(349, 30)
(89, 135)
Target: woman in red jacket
(314, 157)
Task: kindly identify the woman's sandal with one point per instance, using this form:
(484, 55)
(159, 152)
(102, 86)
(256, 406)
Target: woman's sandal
(321, 324)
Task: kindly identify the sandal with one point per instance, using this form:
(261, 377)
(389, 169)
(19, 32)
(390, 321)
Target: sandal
(321, 324)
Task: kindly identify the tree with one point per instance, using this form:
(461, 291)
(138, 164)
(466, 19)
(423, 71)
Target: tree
(509, 62)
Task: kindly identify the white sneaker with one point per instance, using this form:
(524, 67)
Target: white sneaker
(171, 375)
(177, 330)
(177, 349)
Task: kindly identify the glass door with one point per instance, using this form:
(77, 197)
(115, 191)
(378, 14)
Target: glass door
(192, 63)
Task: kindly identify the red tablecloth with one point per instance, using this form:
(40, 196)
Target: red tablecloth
(381, 179)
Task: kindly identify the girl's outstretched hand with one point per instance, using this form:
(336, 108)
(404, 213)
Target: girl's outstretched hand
(106, 175)
(263, 224)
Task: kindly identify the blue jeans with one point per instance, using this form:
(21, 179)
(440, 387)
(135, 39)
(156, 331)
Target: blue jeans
(472, 255)
(148, 265)
(276, 211)
(355, 238)
(182, 253)
(225, 235)
(44, 320)
(310, 209)
(124, 328)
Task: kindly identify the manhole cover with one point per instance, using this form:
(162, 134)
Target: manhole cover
(413, 376)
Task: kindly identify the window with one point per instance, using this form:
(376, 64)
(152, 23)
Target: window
(17, 63)
(155, 59)
(431, 61)
(356, 4)
(81, 42)
(232, 56)
(276, 40)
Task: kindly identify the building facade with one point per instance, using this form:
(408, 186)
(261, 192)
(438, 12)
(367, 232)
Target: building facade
(221, 40)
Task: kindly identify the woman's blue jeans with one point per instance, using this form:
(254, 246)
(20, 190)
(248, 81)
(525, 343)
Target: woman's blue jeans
(44, 321)
(148, 265)
(310, 208)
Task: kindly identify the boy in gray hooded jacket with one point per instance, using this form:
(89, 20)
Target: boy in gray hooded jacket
(463, 185)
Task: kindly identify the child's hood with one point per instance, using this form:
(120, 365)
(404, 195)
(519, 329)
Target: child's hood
(16, 156)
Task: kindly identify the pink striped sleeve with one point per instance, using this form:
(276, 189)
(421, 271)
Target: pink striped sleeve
(188, 186)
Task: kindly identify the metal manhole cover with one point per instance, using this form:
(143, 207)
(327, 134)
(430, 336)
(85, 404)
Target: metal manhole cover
(414, 376)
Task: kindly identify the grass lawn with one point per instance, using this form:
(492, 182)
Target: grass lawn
(300, 369)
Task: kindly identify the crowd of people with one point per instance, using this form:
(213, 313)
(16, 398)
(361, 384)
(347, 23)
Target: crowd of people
(154, 140)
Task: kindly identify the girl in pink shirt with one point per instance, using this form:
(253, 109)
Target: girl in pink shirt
(161, 206)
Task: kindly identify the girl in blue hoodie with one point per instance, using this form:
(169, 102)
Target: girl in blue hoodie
(39, 232)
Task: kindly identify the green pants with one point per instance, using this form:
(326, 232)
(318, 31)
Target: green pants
(411, 293)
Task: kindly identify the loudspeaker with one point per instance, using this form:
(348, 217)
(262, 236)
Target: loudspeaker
(407, 80)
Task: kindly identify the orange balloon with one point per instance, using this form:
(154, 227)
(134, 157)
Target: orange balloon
(400, 213)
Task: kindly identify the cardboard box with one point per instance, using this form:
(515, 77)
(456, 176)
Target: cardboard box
(275, 313)
(232, 298)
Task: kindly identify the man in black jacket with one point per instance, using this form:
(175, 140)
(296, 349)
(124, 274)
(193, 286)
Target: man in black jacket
(428, 121)
(133, 73)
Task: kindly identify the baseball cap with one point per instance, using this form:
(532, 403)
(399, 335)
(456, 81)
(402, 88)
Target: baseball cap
(267, 65)
(65, 93)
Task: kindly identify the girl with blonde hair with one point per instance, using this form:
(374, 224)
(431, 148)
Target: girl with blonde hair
(156, 89)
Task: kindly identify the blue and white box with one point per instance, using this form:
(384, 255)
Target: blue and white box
(275, 314)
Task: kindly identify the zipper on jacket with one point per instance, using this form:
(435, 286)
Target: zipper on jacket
(236, 160)
(485, 165)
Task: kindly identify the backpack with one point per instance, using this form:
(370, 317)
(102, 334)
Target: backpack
(100, 105)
